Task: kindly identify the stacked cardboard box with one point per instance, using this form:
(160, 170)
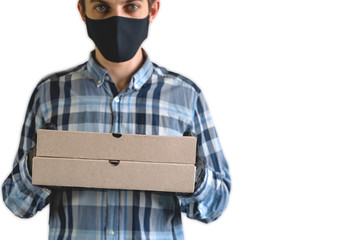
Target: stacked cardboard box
(115, 161)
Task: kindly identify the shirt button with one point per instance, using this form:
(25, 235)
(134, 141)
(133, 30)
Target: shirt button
(107, 78)
(116, 99)
(99, 82)
(111, 233)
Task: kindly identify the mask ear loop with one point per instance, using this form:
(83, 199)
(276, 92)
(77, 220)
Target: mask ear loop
(86, 18)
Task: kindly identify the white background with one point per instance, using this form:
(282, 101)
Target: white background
(282, 80)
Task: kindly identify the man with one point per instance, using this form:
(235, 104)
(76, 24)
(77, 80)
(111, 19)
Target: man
(119, 90)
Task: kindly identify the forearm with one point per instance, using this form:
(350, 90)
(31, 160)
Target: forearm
(19, 195)
(209, 202)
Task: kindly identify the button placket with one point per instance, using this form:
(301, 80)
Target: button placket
(112, 220)
(111, 233)
(117, 114)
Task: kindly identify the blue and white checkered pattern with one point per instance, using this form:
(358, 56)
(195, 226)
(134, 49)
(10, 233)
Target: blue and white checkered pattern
(157, 102)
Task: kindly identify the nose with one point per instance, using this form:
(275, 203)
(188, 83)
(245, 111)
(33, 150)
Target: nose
(118, 11)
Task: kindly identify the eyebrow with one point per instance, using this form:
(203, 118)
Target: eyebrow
(127, 1)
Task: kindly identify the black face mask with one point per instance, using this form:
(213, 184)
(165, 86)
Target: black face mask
(118, 38)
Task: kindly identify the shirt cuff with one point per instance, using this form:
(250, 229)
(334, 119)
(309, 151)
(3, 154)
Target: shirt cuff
(204, 190)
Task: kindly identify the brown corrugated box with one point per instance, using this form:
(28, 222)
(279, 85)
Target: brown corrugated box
(115, 161)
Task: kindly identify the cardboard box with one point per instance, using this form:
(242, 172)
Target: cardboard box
(115, 161)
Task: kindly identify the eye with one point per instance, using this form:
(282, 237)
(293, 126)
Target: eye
(132, 7)
(102, 8)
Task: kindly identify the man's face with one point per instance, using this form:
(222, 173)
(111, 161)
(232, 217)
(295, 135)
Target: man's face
(101, 9)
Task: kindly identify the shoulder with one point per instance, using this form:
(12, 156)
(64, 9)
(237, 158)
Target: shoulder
(174, 79)
(64, 75)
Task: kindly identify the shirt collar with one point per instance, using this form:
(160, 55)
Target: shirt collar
(99, 74)
(143, 74)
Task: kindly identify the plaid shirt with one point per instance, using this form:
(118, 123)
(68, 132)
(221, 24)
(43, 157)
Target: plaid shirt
(156, 102)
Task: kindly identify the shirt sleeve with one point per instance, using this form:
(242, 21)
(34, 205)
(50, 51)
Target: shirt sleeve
(211, 199)
(19, 195)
